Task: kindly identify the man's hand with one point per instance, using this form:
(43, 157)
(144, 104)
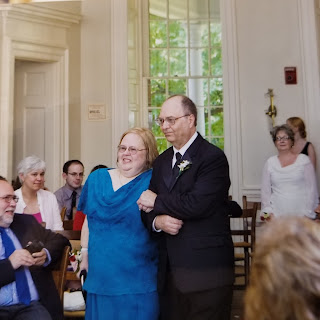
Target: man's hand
(21, 257)
(40, 257)
(147, 200)
(168, 224)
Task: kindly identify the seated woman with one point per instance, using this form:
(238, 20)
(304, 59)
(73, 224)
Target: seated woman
(33, 199)
(289, 186)
(285, 277)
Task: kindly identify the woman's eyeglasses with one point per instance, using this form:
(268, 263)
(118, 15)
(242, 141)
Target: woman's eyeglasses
(132, 150)
(285, 138)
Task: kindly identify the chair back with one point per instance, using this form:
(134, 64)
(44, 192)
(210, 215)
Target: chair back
(70, 234)
(63, 213)
(59, 274)
(67, 224)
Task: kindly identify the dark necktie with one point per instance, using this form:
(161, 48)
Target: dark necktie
(20, 274)
(73, 204)
(175, 169)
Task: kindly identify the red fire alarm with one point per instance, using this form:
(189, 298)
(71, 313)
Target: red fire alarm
(290, 75)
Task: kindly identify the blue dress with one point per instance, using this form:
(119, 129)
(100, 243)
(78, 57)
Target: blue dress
(121, 281)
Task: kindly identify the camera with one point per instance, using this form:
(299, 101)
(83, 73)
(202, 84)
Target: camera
(34, 246)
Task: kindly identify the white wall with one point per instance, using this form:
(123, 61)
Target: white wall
(96, 82)
(268, 36)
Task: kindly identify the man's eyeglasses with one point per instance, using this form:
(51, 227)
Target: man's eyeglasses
(8, 199)
(285, 138)
(74, 174)
(132, 150)
(170, 120)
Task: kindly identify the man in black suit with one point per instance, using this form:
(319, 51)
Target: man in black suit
(27, 289)
(186, 206)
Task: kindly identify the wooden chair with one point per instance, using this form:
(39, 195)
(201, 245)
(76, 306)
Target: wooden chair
(67, 224)
(245, 242)
(70, 234)
(63, 213)
(59, 274)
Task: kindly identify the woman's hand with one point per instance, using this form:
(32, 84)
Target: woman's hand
(84, 263)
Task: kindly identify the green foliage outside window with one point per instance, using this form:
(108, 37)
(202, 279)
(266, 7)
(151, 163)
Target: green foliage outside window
(185, 54)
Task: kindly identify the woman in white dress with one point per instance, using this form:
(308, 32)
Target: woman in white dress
(289, 186)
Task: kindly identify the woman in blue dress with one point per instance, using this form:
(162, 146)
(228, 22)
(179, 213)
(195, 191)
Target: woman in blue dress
(117, 251)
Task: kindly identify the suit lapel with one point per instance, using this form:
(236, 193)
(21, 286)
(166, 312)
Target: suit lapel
(189, 155)
(167, 168)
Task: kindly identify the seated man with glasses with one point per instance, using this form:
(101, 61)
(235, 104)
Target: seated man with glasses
(68, 195)
(27, 289)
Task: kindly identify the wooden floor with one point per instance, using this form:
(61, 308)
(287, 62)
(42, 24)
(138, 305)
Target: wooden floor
(237, 305)
(237, 301)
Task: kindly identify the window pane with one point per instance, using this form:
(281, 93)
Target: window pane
(198, 90)
(177, 9)
(199, 34)
(219, 142)
(158, 63)
(162, 145)
(158, 34)
(202, 121)
(216, 62)
(178, 35)
(198, 9)
(152, 115)
(216, 119)
(185, 58)
(215, 34)
(199, 65)
(157, 92)
(177, 87)
(216, 92)
(157, 9)
(214, 9)
(178, 62)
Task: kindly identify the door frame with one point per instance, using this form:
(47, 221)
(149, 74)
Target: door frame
(18, 50)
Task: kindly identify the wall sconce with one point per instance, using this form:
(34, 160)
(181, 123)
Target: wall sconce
(272, 110)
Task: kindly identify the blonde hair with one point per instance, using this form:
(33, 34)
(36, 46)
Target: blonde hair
(149, 142)
(298, 123)
(285, 275)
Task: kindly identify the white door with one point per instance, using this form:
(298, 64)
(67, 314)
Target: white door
(33, 115)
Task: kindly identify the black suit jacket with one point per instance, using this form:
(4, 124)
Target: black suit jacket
(201, 255)
(26, 228)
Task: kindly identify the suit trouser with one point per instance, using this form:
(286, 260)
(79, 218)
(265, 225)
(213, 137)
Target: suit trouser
(34, 311)
(213, 304)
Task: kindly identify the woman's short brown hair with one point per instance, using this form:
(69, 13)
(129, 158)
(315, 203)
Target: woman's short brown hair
(149, 142)
(286, 129)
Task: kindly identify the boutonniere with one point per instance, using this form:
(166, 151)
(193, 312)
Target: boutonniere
(184, 166)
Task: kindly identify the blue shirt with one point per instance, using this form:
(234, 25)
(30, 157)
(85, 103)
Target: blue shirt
(8, 293)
